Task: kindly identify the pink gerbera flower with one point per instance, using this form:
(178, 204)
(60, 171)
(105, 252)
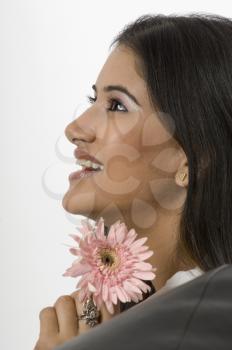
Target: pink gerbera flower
(112, 266)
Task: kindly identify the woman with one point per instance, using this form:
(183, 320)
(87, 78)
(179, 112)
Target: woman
(160, 124)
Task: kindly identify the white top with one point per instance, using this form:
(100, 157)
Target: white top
(179, 278)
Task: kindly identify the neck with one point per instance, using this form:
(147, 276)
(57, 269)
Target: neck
(162, 239)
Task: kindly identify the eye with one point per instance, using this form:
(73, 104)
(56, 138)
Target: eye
(91, 99)
(115, 105)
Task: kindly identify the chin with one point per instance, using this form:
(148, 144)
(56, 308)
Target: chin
(83, 208)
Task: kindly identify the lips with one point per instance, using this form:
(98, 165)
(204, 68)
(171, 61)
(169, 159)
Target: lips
(81, 154)
(81, 174)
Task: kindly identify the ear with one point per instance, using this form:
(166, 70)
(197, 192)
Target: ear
(182, 174)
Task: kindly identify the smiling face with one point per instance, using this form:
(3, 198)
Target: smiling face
(139, 154)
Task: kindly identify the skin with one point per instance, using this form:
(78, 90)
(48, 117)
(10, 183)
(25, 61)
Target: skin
(58, 323)
(141, 183)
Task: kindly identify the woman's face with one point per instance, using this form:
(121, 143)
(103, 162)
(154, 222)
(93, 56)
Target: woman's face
(139, 155)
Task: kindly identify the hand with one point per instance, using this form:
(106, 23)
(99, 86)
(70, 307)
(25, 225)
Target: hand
(60, 323)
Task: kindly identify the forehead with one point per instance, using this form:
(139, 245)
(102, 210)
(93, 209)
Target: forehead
(121, 68)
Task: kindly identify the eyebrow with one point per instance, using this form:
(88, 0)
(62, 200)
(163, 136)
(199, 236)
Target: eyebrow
(120, 88)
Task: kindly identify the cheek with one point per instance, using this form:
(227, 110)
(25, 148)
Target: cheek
(122, 148)
(123, 167)
(158, 149)
(131, 158)
(119, 175)
(167, 159)
(127, 158)
(158, 129)
(118, 169)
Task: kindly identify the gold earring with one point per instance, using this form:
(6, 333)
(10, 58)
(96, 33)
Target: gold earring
(183, 176)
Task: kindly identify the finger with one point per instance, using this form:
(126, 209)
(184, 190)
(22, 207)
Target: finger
(67, 315)
(106, 315)
(48, 321)
(83, 327)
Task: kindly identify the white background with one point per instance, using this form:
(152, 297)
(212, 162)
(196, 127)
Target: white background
(51, 53)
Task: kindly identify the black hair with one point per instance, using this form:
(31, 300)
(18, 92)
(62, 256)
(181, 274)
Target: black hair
(186, 61)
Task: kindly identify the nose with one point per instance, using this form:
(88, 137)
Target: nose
(78, 131)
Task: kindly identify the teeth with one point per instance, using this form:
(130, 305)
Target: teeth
(89, 164)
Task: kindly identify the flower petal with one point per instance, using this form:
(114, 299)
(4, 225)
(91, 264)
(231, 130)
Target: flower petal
(121, 234)
(120, 294)
(140, 249)
(75, 237)
(74, 251)
(113, 296)
(139, 242)
(135, 281)
(131, 287)
(125, 294)
(110, 307)
(91, 287)
(145, 287)
(131, 235)
(104, 292)
(100, 229)
(77, 270)
(86, 224)
(144, 275)
(98, 300)
(81, 283)
(77, 261)
(143, 266)
(142, 285)
(111, 238)
(86, 228)
(146, 255)
(133, 296)
(82, 295)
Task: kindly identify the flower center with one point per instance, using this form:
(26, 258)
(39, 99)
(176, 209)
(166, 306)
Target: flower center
(108, 258)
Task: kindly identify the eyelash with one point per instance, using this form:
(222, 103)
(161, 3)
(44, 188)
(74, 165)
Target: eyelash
(111, 100)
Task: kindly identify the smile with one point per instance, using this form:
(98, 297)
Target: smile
(80, 174)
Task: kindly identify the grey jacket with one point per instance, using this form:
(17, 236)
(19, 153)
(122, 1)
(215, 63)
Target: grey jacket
(194, 316)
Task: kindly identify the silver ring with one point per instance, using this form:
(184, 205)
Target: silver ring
(90, 313)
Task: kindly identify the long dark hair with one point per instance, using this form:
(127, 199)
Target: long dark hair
(186, 62)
